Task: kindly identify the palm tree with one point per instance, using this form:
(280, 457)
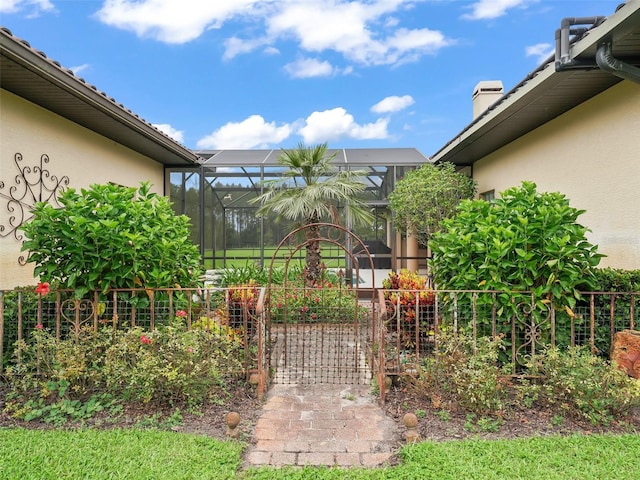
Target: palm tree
(310, 191)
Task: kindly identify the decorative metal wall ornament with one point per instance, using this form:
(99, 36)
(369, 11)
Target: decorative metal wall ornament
(32, 184)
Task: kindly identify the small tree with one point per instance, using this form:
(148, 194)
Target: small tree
(111, 237)
(524, 241)
(310, 191)
(426, 196)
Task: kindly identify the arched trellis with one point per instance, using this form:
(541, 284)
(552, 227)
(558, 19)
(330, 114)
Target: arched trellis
(324, 333)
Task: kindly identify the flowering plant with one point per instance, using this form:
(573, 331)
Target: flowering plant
(42, 288)
(408, 300)
(242, 300)
(325, 302)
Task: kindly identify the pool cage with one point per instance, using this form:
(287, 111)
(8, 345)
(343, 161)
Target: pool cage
(217, 197)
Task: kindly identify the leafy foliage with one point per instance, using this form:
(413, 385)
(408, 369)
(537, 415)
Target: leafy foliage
(427, 196)
(617, 280)
(111, 237)
(409, 303)
(467, 373)
(524, 241)
(311, 190)
(329, 301)
(579, 384)
(571, 382)
(75, 377)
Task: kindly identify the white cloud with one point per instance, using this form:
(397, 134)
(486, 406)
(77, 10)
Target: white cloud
(309, 67)
(489, 9)
(252, 132)
(352, 29)
(79, 69)
(171, 21)
(334, 124)
(364, 31)
(393, 104)
(177, 135)
(236, 46)
(13, 6)
(271, 51)
(541, 51)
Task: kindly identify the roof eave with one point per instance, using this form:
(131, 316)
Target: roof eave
(461, 151)
(66, 81)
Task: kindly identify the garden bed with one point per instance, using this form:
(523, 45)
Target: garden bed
(433, 423)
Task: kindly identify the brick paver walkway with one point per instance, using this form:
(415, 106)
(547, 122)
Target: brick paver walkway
(323, 424)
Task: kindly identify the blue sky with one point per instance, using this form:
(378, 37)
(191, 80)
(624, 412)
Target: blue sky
(228, 74)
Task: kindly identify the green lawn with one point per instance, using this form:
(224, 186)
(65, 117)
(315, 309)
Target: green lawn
(136, 454)
(238, 257)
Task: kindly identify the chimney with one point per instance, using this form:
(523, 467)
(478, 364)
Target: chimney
(485, 94)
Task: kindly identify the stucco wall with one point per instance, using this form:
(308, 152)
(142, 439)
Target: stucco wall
(592, 155)
(80, 154)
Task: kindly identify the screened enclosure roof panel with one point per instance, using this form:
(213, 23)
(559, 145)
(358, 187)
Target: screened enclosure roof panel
(346, 156)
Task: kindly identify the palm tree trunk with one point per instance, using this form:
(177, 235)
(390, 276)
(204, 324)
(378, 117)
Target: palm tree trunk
(313, 271)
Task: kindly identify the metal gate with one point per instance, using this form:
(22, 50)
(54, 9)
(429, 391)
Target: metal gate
(320, 331)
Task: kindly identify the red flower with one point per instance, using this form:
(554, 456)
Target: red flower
(42, 288)
(39, 326)
(181, 313)
(146, 340)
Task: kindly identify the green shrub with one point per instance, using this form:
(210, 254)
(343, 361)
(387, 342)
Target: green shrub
(617, 280)
(171, 364)
(325, 303)
(525, 241)
(426, 196)
(466, 373)
(581, 385)
(168, 365)
(111, 237)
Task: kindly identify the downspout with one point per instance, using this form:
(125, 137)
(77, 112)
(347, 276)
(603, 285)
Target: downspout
(607, 62)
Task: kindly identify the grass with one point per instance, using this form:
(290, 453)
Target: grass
(238, 257)
(137, 454)
(114, 454)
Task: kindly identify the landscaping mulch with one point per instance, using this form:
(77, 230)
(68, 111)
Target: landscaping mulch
(437, 424)
(446, 424)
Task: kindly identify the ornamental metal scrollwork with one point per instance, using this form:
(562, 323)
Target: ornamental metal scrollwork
(533, 321)
(32, 184)
(77, 313)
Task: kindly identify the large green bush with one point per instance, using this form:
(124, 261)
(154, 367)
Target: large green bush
(524, 241)
(425, 197)
(110, 236)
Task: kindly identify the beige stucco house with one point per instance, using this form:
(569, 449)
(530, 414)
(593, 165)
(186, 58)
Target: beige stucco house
(573, 126)
(58, 131)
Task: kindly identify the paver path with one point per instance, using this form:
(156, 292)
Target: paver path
(323, 424)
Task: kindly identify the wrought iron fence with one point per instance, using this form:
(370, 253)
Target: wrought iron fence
(23, 310)
(407, 328)
(414, 321)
